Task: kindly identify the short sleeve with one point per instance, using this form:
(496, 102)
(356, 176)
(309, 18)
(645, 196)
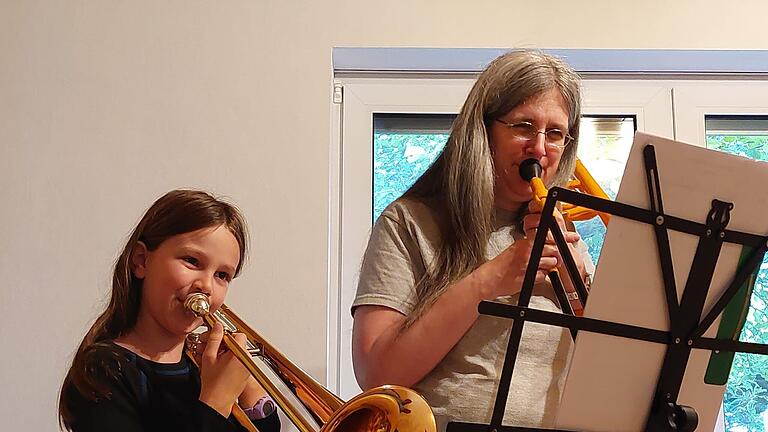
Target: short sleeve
(398, 252)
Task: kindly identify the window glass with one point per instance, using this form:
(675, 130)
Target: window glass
(745, 404)
(604, 144)
(404, 146)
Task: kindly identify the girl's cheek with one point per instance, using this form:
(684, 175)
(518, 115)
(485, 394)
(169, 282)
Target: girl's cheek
(217, 300)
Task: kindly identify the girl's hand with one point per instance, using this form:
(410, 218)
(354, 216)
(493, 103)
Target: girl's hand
(223, 378)
(251, 394)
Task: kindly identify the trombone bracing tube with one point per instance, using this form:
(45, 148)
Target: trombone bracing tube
(310, 406)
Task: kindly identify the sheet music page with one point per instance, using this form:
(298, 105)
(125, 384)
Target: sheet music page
(611, 382)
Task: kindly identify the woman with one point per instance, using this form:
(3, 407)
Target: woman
(463, 234)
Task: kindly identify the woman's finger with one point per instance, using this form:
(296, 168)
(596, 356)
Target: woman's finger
(560, 220)
(548, 263)
(541, 276)
(571, 237)
(531, 222)
(534, 207)
(551, 251)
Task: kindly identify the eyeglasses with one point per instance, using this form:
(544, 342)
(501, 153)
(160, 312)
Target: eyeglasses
(554, 138)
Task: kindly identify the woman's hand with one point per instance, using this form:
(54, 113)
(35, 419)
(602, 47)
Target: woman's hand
(504, 274)
(530, 225)
(223, 378)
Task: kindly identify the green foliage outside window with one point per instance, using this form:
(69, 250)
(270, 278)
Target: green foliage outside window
(745, 405)
(398, 160)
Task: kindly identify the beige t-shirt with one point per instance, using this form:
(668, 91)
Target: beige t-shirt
(462, 387)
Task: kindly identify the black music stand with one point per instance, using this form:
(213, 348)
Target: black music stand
(686, 325)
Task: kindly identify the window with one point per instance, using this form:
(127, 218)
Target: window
(394, 128)
(745, 403)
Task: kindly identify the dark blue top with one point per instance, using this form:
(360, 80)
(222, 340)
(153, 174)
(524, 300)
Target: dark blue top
(148, 396)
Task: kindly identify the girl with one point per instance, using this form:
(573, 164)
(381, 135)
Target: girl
(130, 372)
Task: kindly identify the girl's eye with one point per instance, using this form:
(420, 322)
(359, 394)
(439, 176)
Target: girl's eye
(191, 260)
(224, 276)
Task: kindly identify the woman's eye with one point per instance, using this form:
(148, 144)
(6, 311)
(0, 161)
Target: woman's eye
(555, 134)
(524, 129)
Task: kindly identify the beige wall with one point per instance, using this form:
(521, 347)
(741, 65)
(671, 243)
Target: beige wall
(105, 105)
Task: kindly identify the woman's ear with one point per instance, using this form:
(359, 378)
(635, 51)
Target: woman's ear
(139, 257)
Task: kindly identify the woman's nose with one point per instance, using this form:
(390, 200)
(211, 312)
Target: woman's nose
(537, 146)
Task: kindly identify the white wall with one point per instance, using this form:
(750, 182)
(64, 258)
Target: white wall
(105, 105)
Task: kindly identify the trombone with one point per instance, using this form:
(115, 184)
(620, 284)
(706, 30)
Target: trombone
(582, 182)
(310, 406)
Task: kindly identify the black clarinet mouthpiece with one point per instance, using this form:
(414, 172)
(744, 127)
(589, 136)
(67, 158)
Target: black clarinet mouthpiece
(529, 169)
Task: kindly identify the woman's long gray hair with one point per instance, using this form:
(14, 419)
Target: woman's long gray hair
(460, 182)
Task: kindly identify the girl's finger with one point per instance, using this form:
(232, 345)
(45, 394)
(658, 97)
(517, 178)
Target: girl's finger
(214, 342)
(240, 338)
(203, 337)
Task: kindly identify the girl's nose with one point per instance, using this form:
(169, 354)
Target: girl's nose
(203, 285)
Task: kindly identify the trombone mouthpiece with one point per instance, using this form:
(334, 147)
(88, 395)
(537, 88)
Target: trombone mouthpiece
(198, 304)
(529, 169)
